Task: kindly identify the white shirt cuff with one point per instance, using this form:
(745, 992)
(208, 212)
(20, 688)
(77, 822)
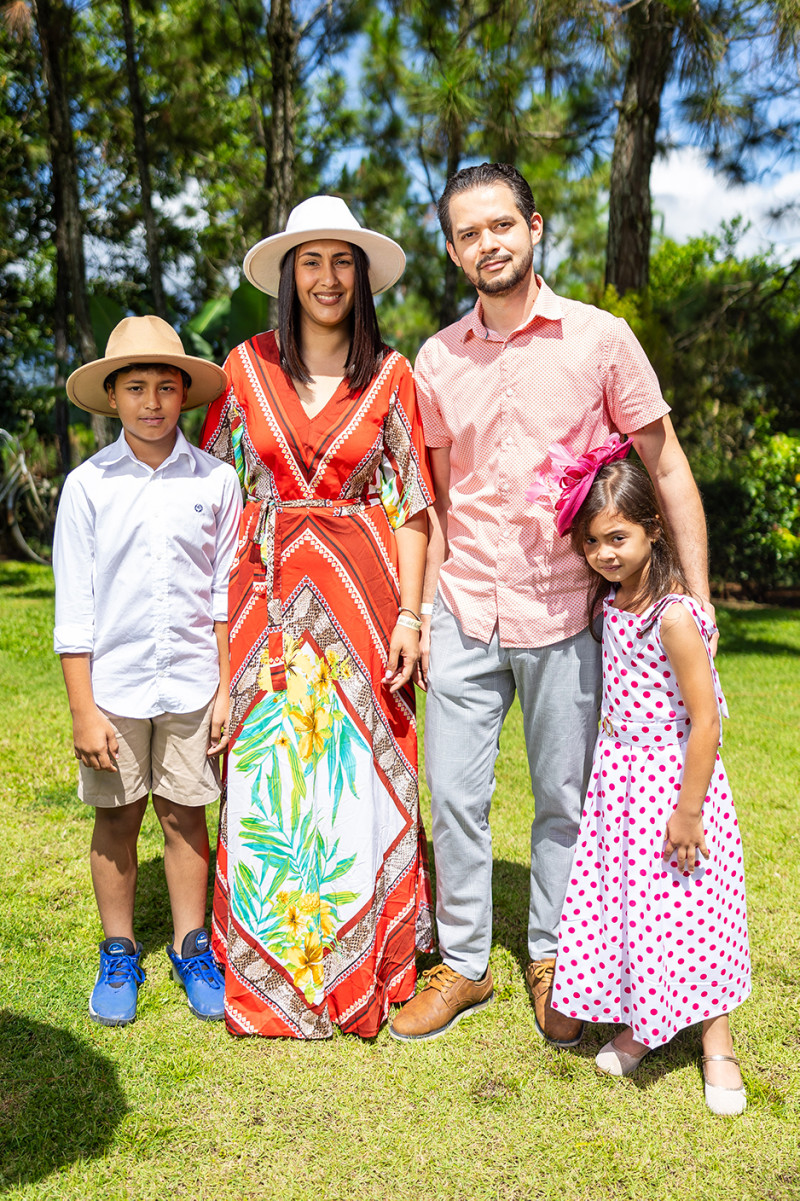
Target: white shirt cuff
(73, 640)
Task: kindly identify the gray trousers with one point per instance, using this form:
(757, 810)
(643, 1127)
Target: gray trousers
(471, 686)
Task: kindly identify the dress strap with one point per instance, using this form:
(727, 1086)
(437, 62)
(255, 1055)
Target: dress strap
(652, 618)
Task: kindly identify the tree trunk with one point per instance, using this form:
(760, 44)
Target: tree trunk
(54, 25)
(448, 309)
(143, 164)
(651, 41)
(454, 132)
(61, 347)
(282, 44)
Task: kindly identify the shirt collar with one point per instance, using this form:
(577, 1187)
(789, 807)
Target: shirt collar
(547, 307)
(120, 451)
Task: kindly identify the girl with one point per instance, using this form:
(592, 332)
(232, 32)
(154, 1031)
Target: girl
(654, 930)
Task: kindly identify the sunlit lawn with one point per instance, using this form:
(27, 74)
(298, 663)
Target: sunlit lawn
(172, 1108)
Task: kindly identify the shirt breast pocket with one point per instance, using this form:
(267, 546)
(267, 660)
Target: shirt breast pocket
(196, 532)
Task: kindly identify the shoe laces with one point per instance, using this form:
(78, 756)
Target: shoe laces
(120, 969)
(202, 967)
(440, 977)
(542, 971)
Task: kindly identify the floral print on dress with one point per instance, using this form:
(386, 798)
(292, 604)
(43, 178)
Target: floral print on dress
(287, 889)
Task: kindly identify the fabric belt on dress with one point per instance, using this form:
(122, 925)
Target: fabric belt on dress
(646, 733)
(265, 538)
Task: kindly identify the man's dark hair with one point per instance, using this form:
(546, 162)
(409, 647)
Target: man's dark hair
(367, 350)
(485, 176)
(111, 378)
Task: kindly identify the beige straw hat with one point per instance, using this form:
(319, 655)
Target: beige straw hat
(143, 340)
(324, 217)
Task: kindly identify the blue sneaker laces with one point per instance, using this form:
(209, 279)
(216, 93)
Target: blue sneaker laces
(202, 967)
(117, 970)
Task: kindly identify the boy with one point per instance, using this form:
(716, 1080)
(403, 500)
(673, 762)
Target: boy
(144, 540)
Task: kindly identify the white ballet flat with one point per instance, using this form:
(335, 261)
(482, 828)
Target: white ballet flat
(614, 1062)
(726, 1102)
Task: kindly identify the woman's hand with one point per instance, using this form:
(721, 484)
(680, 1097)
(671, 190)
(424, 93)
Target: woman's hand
(403, 657)
(684, 838)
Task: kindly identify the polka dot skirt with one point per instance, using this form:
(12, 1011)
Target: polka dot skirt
(640, 942)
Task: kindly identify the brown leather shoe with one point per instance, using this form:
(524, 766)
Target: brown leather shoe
(445, 999)
(552, 1025)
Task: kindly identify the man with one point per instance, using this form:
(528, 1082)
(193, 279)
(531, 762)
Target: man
(524, 370)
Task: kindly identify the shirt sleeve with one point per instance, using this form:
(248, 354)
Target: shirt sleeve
(228, 517)
(436, 433)
(405, 483)
(632, 391)
(73, 568)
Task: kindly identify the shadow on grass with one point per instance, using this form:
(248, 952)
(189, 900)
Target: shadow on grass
(510, 892)
(25, 580)
(60, 1100)
(738, 636)
(153, 920)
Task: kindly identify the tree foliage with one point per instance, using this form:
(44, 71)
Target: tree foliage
(188, 131)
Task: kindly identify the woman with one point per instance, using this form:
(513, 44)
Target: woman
(322, 895)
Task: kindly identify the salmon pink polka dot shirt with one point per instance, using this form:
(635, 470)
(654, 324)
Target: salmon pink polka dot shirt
(570, 374)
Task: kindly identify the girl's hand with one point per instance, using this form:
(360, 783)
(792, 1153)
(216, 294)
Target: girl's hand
(219, 732)
(684, 837)
(95, 741)
(403, 657)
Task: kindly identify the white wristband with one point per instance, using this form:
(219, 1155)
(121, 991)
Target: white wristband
(410, 623)
(426, 609)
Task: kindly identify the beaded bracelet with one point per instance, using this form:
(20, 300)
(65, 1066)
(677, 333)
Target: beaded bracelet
(410, 623)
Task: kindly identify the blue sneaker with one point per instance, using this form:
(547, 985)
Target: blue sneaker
(196, 969)
(116, 989)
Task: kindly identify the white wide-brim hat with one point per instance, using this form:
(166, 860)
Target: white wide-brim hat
(324, 217)
(143, 340)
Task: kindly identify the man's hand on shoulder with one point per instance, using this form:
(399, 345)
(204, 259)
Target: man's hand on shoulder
(707, 607)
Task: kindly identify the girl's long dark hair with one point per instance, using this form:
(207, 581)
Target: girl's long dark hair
(625, 489)
(367, 350)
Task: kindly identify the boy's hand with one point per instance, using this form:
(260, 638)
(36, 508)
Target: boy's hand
(219, 733)
(684, 838)
(95, 741)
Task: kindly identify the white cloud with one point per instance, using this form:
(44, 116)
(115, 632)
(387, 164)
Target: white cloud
(689, 199)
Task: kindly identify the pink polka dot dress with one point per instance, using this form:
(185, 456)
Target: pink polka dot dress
(639, 941)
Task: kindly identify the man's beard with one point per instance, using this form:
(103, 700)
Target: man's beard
(496, 287)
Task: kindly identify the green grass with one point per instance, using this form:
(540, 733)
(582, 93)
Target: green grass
(173, 1108)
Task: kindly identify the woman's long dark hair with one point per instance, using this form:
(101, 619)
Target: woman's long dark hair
(367, 350)
(625, 489)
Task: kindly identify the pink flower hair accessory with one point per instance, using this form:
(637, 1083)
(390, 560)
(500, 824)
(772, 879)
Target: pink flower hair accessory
(574, 477)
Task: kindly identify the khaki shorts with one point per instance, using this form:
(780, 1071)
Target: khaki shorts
(165, 755)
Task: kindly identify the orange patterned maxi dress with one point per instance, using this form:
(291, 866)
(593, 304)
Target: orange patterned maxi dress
(322, 894)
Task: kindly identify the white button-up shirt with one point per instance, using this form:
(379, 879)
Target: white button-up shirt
(141, 559)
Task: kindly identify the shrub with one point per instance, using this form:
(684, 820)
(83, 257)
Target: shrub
(753, 513)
